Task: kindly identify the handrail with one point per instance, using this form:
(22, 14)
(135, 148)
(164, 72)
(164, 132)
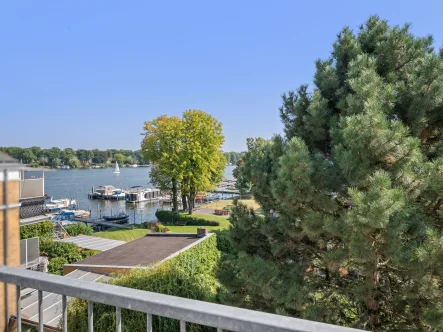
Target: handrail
(185, 310)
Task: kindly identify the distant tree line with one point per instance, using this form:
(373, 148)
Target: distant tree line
(54, 157)
(233, 157)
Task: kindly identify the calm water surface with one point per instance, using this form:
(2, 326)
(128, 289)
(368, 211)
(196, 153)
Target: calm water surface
(77, 183)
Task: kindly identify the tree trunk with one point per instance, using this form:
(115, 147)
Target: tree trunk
(184, 202)
(191, 199)
(174, 196)
(373, 302)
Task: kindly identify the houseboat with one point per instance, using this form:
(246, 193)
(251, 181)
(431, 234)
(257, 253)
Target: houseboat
(139, 194)
(107, 192)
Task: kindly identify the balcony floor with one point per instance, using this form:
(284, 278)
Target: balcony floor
(52, 303)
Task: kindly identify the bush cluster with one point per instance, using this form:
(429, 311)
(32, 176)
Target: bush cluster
(40, 229)
(79, 228)
(61, 253)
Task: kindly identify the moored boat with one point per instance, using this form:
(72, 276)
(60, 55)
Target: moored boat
(137, 194)
(55, 205)
(107, 192)
(118, 218)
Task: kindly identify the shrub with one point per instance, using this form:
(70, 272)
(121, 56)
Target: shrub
(192, 274)
(41, 229)
(55, 265)
(89, 252)
(53, 249)
(151, 225)
(79, 228)
(170, 218)
(161, 229)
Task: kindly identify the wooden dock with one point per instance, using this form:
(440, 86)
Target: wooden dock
(103, 222)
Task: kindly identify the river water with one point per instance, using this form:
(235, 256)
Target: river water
(77, 183)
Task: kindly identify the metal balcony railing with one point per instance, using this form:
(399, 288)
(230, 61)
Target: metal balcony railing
(185, 310)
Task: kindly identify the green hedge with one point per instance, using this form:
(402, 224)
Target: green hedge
(79, 228)
(192, 274)
(41, 229)
(170, 218)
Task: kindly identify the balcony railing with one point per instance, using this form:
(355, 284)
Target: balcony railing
(32, 188)
(185, 310)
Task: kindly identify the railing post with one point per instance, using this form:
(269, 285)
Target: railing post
(65, 314)
(148, 323)
(90, 316)
(19, 312)
(118, 319)
(40, 311)
(182, 326)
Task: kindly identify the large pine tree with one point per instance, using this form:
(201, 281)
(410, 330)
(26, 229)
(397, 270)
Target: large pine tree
(352, 196)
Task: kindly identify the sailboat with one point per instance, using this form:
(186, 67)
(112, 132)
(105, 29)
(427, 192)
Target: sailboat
(116, 170)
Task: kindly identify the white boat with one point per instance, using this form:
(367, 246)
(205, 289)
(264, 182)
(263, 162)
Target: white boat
(117, 169)
(55, 205)
(133, 165)
(139, 194)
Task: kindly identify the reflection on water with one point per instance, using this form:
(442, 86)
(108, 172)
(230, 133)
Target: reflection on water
(78, 182)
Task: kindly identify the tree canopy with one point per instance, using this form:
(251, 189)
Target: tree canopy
(186, 153)
(352, 194)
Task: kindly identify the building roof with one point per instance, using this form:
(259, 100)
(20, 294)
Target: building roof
(143, 251)
(8, 162)
(93, 242)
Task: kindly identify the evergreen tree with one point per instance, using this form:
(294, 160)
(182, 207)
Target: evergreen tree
(353, 195)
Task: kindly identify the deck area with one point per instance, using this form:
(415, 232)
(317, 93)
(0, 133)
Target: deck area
(92, 242)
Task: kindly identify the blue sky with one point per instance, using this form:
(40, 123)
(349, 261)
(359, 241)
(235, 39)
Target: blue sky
(87, 74)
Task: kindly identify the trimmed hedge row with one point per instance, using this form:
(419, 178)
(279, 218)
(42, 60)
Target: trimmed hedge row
(170, 218)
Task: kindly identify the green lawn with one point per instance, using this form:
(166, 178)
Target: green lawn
(132, 234)
(224, 223)
(122, 234)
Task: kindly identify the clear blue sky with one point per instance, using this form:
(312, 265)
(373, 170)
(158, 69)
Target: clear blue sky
(87, 74)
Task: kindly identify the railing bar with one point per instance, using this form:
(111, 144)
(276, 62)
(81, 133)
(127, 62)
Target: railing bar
(191, 311)
(19, 309)
(118, 323)
(148, 323)
(6, 241)
(90, 316)
(65, 313)
(40, 311)
(182, 326)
